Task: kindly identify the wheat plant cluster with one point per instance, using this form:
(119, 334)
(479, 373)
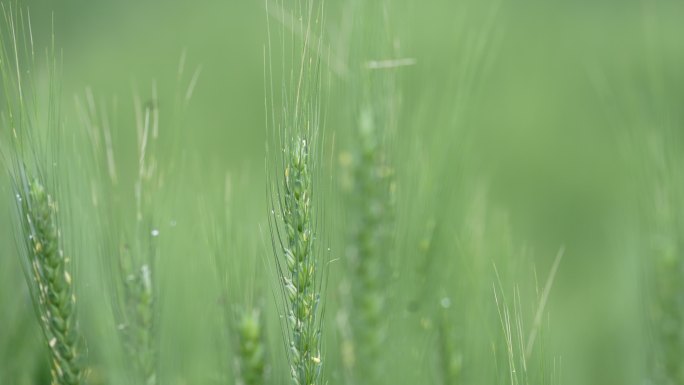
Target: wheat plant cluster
(346, 192)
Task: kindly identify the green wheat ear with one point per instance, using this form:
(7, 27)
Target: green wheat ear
(294, 206)
(49, 270)
(31, 156)
(299, 280)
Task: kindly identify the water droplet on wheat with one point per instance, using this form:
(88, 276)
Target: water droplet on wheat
(445, 302)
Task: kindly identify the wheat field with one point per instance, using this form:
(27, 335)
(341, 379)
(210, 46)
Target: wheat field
(341, 192)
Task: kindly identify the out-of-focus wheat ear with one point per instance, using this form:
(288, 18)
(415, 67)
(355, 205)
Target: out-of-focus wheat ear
(130, 242)
(371, 183)
(139, 331)
(665, 262)
(450, 357)
(251, 348)
(372, 202)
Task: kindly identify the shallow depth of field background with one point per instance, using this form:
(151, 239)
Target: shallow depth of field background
(543, 139)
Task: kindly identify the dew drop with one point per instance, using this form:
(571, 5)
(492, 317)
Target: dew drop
(155, 233)
(445, 302)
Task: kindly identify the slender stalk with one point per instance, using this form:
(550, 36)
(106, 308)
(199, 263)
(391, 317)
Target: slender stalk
(450, 357)
(527, 358)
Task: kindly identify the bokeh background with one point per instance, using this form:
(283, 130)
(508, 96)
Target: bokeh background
(525, 127)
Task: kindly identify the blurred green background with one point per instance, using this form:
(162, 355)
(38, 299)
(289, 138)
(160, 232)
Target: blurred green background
(530, 120)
